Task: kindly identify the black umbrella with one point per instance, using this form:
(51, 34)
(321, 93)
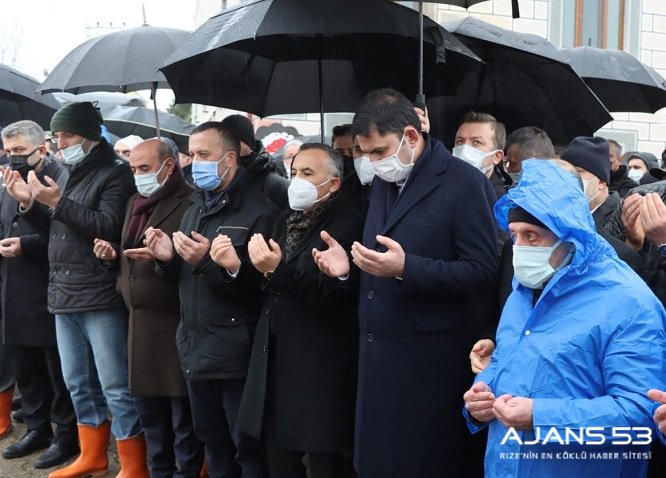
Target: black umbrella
(19, 102)
(298, 56)
(126, 120)
(420, 97)
(621, 81)
(104, 99)
(524, 80)
(125, 60)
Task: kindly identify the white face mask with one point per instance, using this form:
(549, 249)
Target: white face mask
(636, 175)
(303, 194)
(364, 169)
(531, 265)
(147, 184)
(473, 156)
(391, 169)
(587, 194)
(73, 154)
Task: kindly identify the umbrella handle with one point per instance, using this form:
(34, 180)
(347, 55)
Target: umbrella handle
(153, 95)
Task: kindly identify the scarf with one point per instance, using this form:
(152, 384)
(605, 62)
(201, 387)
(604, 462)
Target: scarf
(144, 207)
(299, 222)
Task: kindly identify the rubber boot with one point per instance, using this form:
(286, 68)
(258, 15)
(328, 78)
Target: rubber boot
(92, 462)
(6, 398)
(132, 454)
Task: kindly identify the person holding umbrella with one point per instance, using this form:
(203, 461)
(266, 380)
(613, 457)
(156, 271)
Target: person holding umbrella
(90, 317)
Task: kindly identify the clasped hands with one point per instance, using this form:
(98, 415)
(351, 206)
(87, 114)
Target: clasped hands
(483, 406)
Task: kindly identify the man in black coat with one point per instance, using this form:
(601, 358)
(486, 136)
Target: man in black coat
(219, 305)
(90, 317)
(27, 324)
(428, 247)
(300, 391)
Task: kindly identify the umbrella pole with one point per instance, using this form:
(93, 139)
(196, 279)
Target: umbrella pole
(153, 94)
(321, 100)
(420, 97)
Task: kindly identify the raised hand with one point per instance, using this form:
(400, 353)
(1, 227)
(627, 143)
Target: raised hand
(333, 261)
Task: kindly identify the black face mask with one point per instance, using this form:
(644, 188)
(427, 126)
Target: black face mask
(19, 162)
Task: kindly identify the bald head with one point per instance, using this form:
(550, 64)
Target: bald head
(149, 156)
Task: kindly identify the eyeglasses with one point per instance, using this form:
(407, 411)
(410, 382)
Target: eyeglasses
(57, 137)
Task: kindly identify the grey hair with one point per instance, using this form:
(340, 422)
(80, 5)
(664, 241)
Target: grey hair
(292, 142)
(27, 129)
(335, 164)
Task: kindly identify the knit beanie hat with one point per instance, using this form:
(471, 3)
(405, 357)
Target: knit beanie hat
(518, 214)
(243, 128)
(81, 118)
(591, 154)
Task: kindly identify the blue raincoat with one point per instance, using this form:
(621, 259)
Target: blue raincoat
(586, 353)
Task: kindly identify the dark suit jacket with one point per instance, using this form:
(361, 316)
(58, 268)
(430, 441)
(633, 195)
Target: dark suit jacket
(154, 308)
(312, 351)
(414, 333)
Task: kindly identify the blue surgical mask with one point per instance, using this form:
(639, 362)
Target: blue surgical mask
(73, 154)
(147, 184)
(531, 264)
(204, 174)
(515, 177)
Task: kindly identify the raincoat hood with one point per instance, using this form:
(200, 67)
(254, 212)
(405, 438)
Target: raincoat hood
(546, 187)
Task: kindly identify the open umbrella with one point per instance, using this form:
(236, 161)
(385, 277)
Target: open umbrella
(19, 102)
(125, 60)
(619, 79)
(298, 56)
(126, 120)
(524, 80)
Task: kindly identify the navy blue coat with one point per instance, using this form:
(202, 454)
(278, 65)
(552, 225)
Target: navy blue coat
(414, 332)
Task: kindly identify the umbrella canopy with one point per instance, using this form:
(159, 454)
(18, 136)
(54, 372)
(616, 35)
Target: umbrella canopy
(125, 60)
(105, 99)
(297, 56)
(126, 120)
(19, 102)
(621, 81)
(524, 80)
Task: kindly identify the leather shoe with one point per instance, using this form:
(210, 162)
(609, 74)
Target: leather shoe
(18, 415)
(61, 450)
(32, 441)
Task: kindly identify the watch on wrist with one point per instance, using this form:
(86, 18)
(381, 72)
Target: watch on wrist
(662, 249)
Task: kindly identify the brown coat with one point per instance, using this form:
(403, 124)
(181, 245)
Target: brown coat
(154, 309)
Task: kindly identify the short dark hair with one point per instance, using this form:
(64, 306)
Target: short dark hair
(498, 128)
(341, 130)
(228, 136)
(336, 165)
(532, 142)
(387, 111)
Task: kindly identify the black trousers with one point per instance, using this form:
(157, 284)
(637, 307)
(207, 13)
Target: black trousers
(283, 463)
(173, 449)
(6, 368)
(229, 454)
(44, 396)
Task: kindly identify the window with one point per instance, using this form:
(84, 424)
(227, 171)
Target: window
(598, 23)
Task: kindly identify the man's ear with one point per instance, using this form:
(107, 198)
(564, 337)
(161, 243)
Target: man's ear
(336, 184)
(412, 136)
(498, 157)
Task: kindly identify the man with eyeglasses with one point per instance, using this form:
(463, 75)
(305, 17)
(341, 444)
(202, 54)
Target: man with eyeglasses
(90, 317)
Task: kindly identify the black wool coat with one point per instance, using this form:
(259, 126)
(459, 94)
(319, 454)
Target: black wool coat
(315, 341)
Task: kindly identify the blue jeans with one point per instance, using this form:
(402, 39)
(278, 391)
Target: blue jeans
(93, 354)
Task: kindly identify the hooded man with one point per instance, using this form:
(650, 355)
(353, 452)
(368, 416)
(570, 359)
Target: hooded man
(573, 351)
(267, 175)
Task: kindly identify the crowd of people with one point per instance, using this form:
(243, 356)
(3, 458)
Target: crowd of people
(225, 313)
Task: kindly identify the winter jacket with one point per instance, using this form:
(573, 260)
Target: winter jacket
(586, 352)
(267, 177)
(92, 206)
(219, 312)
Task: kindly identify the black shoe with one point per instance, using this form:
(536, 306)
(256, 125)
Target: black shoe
(18, 415)
(31, 442)
(58, 453)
